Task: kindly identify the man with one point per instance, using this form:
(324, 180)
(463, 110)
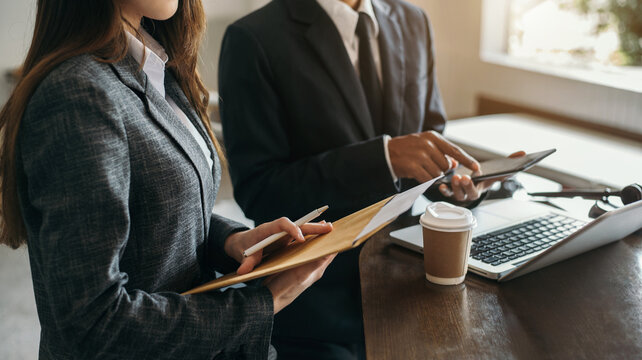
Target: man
(331, 102)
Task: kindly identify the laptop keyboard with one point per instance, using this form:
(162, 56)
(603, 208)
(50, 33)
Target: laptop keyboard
(525, 238)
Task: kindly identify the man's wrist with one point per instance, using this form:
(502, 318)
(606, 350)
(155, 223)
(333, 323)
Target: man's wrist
(386, 139)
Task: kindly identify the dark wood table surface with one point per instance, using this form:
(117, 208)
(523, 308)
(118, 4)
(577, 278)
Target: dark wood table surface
(589, 306)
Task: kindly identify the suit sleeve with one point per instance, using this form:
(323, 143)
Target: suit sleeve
(435, 113)
(74, 158)
(220, 229)
(269, 181)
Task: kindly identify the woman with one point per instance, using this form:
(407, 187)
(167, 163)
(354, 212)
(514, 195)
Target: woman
(109, 173)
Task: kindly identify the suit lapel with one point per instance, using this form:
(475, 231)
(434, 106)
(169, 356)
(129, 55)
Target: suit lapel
(128, 70)
(327, 43)
(131, 74)
(392, 65)
(176, 93)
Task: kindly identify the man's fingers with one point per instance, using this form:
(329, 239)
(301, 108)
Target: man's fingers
(420, 174)
(517, 154)
(437, 156)
(453, 163)
(432, 169)
(453, 150)
(456, 187)
(469, 188)
(460, 155)
(445, 190)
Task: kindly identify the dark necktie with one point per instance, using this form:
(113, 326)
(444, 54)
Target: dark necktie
(368, 73)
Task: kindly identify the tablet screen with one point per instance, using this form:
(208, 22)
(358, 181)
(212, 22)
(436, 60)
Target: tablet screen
(506, 166)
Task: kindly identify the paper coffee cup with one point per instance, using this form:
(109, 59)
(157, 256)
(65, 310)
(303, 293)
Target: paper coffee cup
(447, 232)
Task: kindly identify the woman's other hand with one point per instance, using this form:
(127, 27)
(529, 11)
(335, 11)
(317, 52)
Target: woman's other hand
(288, 285)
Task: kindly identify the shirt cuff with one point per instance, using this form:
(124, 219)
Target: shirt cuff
(387, 138)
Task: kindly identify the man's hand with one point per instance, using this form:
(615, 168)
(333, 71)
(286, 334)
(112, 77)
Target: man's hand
(426, 155)
(464, 189)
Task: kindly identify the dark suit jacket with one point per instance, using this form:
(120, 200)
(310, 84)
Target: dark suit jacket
(298, 132)
(117, 198)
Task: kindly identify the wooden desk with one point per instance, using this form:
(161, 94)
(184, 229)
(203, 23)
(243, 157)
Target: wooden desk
(589, 306)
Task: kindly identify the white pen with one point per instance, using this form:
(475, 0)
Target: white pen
(272, 238)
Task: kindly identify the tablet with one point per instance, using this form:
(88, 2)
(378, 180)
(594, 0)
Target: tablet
(501, 167)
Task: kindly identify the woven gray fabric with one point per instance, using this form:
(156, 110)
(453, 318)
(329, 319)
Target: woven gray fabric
(117, 197)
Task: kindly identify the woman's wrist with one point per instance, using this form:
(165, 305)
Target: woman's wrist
(279, 292)
(232, 246)
(276, 300)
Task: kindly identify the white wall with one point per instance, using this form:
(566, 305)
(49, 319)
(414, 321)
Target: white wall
(220, 14)
(16, 27)
(462, 75)
(210, 50)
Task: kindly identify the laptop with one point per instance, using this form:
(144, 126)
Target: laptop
(514, 238)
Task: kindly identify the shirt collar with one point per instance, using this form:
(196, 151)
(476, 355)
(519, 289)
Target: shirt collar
(152, 56)
(346, 18)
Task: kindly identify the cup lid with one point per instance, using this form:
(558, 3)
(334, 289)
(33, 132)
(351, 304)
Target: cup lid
(442, 216)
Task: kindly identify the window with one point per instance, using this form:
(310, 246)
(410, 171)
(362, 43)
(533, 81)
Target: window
(594, 34)
(598, 41)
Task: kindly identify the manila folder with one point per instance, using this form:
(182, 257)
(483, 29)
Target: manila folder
(348, 232)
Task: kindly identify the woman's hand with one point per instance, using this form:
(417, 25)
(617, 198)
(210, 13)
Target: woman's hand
(464, 189)
(238, 242)
(288, 285)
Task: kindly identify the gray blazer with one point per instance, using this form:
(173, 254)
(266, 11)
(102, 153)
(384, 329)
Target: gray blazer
(117, 198)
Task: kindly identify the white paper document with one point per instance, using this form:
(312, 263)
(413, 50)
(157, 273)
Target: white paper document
(395, 207)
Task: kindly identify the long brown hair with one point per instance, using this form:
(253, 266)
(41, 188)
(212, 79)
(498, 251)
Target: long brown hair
(67, 28)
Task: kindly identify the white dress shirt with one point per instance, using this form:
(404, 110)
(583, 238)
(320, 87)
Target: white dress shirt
(155, 57)
(345, 19)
